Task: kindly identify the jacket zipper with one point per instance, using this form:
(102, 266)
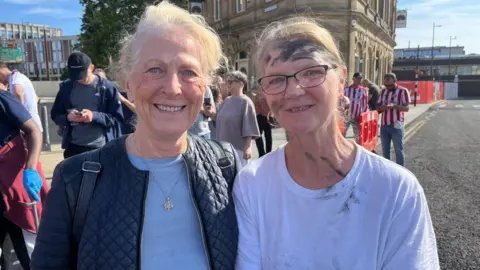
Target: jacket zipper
(139, 241)
(202, 231)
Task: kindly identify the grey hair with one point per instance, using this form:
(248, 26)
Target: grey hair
(162, 18)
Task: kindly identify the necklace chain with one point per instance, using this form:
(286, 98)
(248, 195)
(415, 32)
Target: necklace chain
(168, 205)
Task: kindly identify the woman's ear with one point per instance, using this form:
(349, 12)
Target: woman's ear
(130, 91)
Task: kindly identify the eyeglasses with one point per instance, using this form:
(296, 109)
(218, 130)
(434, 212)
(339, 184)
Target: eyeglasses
(306, 78)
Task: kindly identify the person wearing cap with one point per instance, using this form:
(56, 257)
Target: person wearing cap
(22, 88)
(87, 106)
(393, 102)
(358, 97)
(21, 178)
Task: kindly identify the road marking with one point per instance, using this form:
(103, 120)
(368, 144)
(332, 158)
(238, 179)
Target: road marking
(443, 106)
(476, 106)
(459, 106)
(413, 130)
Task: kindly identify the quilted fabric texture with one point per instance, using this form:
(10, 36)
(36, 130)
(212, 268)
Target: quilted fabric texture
(112, 232)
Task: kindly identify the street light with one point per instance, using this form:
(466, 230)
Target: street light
(433, 46)
(450, 54)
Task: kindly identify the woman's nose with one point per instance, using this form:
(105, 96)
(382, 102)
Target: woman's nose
(293, 88)
(172, 85)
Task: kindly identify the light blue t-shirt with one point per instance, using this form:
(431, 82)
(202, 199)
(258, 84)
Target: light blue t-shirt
(170, 240)
(201, 126)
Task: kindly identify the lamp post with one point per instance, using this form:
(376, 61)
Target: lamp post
(433, 46)
(450, 54)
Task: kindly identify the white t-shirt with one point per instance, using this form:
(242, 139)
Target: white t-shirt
(30, 97)
(375, 218)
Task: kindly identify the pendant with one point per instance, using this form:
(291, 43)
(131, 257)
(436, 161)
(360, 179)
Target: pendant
(168, 205)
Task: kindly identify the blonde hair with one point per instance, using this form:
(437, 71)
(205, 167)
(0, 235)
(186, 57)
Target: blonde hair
(163, 17)
(297, 28)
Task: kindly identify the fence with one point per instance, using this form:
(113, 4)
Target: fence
(427, 91)
(451, 90)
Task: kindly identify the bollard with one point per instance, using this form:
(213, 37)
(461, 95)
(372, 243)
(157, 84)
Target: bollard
(46, 133)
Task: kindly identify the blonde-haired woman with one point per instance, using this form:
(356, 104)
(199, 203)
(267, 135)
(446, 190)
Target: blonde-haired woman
(320, 201)
(162, 198)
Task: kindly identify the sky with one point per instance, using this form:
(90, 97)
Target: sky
(458, 18)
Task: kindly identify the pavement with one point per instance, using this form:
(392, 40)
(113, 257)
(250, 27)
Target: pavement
(444, 156)
(51, 159)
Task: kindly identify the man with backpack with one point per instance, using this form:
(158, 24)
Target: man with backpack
(88, 108)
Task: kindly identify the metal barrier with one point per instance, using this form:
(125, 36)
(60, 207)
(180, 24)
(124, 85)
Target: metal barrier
(46, 134)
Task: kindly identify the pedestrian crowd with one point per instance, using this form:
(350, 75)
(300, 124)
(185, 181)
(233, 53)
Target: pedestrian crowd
(158, 170)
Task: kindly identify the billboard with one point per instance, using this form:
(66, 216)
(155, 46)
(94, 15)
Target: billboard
(401, 18)
(11, 55)
(421, 53)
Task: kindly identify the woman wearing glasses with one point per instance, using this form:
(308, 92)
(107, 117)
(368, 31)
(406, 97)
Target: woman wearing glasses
(236, 120)
(321, 201)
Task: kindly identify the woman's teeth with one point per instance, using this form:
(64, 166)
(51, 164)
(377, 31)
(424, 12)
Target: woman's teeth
(168, 108)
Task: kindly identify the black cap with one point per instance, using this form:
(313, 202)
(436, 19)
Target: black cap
(78, 64)
(357, 75)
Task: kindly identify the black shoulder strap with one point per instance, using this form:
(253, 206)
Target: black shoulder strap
(90, 168)
(227, 165)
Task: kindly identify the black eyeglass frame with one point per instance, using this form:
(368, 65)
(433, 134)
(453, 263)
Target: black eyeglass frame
(326, 67)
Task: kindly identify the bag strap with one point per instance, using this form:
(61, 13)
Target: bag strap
(227, 165)
(91, 167)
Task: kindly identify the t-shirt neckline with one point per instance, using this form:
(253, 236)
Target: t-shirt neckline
(342, 186)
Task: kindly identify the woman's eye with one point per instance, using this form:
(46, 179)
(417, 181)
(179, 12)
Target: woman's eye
(189, 73)
(154, 70)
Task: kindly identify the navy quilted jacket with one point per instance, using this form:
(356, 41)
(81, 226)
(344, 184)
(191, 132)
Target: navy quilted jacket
(113, 227)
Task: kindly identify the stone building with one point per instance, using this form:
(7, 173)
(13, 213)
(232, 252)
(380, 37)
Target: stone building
(364, 29)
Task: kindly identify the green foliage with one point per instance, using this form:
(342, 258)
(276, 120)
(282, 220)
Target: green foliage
(105, 22)
(64, 74)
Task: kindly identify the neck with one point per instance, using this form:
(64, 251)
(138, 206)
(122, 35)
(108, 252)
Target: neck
(319, 160)
(90, 78)
(237, 94)
(354, 85)
(147, 145)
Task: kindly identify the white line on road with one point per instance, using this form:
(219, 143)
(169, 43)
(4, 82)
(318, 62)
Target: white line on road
(476, 106)
(459, 106)
(413, 130)
(443, 106)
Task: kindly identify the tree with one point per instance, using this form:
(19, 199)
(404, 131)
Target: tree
(105, 22)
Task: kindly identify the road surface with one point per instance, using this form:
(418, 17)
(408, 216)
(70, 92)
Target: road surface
(445, 156)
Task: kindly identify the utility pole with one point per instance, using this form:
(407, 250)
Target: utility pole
(416, 77)
(46, 53)
(433, 46)
(450, 54)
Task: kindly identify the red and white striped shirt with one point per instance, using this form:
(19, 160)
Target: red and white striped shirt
(398, 96)
(358, 97)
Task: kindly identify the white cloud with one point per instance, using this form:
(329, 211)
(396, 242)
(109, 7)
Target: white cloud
(456, 17)
(54, 12)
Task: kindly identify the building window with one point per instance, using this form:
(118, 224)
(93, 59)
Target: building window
(216, 10)
(241, 5)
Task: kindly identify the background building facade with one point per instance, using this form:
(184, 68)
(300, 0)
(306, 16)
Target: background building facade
(364, 30)
(36, 49)
(10, 31)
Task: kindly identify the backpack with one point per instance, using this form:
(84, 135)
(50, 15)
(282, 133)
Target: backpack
(91, 167)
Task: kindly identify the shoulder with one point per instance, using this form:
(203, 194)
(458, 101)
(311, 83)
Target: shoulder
(66, 84)
(255, 177)
(384, 180)
(106, 84)
(247, 100)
